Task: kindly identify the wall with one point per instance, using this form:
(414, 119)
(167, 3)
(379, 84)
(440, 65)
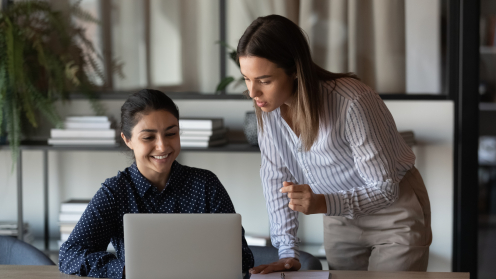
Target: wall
(76, 174)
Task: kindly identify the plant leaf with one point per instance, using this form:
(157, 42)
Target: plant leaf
(224, 83)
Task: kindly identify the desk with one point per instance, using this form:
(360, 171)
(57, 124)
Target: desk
(45, 272)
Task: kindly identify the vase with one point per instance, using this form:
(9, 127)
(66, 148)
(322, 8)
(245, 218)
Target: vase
(250, 128)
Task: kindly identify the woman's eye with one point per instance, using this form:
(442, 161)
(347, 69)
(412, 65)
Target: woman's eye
(170, 134)
(148, 138)
(265, 82)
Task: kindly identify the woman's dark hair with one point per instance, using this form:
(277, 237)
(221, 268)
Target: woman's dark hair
(284, 43)
(141, 103)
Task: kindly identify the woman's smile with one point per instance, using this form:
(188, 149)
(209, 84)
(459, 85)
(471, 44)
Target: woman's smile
(163, 158)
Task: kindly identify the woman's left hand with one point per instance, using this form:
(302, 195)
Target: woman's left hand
(303, 199)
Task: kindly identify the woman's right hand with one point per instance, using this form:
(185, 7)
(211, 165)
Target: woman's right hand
(284, 264)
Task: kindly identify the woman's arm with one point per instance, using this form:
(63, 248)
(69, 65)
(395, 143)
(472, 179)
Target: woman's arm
(85, 252)
(283, 220)
(379, 154)
(220, 202)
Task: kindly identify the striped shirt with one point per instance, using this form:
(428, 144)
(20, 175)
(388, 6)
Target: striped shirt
(357, 160)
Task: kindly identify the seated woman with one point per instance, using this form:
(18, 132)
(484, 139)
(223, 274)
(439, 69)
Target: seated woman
(155, 183)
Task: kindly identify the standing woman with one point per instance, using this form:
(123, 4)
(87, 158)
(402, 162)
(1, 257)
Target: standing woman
(330, 146)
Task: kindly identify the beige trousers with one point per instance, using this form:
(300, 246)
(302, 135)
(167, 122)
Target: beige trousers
(396, 238)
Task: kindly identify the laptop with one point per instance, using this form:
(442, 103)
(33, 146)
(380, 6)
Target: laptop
(165, 245)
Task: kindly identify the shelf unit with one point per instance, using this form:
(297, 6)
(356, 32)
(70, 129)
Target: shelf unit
(45, 148)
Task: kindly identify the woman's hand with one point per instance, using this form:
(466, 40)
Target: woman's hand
(303, 199)
(285, 264)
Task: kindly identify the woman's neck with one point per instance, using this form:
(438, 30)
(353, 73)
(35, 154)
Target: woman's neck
(287, 116)
(158, 180)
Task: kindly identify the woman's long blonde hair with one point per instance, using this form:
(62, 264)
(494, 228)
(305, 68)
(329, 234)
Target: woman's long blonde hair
(282, 42)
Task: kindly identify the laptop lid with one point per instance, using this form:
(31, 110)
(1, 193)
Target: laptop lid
(183, 245)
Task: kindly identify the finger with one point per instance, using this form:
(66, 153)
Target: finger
(288, 264)
(272, 268)
(286, 183)
(292, 188)
(299, 195)
(257, 269)
(299, 208)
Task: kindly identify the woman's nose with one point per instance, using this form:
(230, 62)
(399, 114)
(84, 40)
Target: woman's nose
(161, 143)
(254, 91)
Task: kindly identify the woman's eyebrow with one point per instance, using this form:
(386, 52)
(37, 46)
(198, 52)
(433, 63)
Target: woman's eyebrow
(154, 131)
(170, 127)
(264, 76)
(260, 77)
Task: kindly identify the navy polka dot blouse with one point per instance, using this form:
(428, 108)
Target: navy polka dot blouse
(189, 190)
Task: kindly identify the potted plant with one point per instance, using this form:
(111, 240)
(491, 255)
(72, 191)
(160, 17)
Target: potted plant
(44, 56)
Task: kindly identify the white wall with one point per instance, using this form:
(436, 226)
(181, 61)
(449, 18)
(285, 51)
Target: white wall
(76, 174)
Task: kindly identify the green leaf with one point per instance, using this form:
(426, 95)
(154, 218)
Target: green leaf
(224, 83)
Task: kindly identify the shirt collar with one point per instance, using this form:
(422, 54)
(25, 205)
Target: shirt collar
(143, 184)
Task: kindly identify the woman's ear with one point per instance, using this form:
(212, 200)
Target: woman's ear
(126, 141)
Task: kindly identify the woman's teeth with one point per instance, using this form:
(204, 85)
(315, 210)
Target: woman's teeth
(161, 157)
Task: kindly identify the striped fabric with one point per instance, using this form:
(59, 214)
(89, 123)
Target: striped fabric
(357, 161)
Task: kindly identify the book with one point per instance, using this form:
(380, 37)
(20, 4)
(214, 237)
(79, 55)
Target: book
(202, 138)
(87, 125)
(188, 143)
(193, 138)
(87, 118)
(72, 217)
(67, 227)
(74, 206)
(201, 123)
(203, 133)
(73, 133)
(82, 141)
(64, 236)
(11, 225)
(253, 240)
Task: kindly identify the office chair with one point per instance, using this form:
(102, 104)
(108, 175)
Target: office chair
(269, 254)
(16, 252)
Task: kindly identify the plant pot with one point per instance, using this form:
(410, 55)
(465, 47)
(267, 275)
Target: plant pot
(250, 128)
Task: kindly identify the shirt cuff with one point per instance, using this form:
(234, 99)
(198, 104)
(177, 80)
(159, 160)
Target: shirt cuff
(115, 269)
(289, 252)
(334, 203)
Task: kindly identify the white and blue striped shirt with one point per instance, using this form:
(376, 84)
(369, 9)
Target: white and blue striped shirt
(357, 160)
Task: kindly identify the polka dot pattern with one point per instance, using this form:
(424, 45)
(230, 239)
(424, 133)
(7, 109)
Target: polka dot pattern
(189, 190)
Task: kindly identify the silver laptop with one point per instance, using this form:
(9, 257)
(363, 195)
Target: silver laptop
(183, 245)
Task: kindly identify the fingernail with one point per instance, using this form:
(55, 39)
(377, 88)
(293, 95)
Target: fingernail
(287, 266)
(280, 190)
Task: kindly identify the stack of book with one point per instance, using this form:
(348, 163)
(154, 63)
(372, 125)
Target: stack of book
(202, 132)
(9, 228)
(70, 213)
(408, 137)
(84, 130)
